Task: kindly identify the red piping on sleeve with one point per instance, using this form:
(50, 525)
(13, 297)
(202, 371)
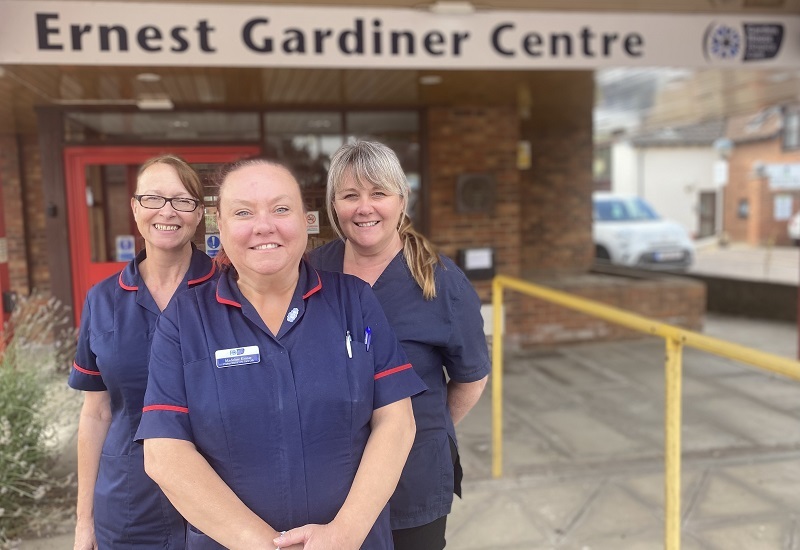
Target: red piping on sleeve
(84, 371)
(173, 408)
(392, 371)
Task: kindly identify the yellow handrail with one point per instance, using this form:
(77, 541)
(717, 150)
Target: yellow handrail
(676, 338)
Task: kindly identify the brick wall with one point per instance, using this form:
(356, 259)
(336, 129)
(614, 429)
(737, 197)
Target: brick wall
(475, 140)
(557, 190)
(23, 205)
(759, 227)
(35, 235)
(14, 213)
(674, 300)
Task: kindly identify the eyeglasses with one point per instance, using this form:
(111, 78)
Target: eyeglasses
(155, 202)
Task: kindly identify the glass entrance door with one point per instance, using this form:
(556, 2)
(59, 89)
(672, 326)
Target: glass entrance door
(100, 182)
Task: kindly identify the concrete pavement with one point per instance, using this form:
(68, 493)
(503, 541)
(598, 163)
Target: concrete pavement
(584, 451)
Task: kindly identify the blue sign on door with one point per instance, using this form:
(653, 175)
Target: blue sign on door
(126, 248)
(212, 244)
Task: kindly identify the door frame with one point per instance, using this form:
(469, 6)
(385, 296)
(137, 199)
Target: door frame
(84, 272)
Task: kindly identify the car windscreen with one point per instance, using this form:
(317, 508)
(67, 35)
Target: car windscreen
(621, 210)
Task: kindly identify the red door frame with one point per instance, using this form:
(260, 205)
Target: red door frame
(5, 277)
(85, 273)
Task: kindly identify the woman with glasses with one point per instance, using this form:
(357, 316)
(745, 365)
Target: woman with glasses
(119, 506)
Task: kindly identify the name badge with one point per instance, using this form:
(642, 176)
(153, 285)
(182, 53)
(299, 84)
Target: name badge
(237, 356)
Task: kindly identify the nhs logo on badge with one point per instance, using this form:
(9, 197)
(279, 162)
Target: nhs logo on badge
(235, 357)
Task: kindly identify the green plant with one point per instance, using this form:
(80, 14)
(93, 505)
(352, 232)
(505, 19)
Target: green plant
(34, 498)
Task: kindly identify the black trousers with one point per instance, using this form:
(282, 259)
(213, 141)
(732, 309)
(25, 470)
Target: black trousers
(425, 537)
(431, 535)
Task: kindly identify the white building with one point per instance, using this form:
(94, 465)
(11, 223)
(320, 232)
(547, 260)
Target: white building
(673, 169)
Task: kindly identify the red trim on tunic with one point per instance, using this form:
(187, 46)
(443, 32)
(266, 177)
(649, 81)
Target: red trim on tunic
(222, 300)
(392, 371)
(123, 285)
(205, 277)
(173, 408)
(315, 289)
(84, 371)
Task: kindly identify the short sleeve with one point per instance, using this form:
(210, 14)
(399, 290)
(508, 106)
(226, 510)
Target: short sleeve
(166, 412)
(395, 378)
(85, 374)
(466, 355)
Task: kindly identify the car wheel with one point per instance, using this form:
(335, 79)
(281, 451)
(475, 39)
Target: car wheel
(601, 253)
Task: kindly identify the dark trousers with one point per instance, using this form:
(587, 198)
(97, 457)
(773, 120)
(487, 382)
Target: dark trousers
(431, 535)
(425, 537)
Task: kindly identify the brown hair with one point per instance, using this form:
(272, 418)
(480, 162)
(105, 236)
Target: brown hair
(221, 175)
(377, 164)
(187, 174)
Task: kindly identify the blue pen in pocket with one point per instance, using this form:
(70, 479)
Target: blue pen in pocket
(368, 337)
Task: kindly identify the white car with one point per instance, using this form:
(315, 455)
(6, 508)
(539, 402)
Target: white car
(627, 231)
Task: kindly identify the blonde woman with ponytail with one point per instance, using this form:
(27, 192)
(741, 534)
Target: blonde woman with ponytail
(435, 314)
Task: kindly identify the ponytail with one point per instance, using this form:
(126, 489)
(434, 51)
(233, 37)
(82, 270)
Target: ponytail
(421, 256)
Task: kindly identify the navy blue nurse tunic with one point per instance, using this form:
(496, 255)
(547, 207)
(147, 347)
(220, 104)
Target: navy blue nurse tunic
(444, 332)
(117, 324)
(283, 419)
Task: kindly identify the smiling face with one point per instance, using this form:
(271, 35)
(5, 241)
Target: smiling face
(262, 223)
(164, 228)
(368, 214)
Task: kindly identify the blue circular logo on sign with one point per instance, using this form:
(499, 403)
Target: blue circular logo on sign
(724, 43)
(213, 241)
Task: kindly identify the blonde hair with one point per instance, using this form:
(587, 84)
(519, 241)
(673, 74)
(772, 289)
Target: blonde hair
(187, 174)
(373, 162)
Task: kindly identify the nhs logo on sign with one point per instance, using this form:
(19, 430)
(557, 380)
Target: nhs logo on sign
(235, 357)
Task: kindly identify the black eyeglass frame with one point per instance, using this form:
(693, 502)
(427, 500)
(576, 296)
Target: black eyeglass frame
(167, 200)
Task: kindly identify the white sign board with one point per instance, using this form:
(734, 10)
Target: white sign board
(126, 248)
(782, 209)
(264, 35)
(312, 222)
(212, 244)
(478, 258)
(783, 176)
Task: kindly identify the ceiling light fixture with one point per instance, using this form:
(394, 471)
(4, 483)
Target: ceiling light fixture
(148, 77)
(430, 79)
(450, 7)
(155, 104)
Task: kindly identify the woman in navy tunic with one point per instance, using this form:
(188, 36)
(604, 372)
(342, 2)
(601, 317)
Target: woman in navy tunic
(435, 313)
(119, 506)
(277, 411)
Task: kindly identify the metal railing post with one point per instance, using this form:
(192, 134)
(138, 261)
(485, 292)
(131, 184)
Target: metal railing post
(672, 444)
(497, 378)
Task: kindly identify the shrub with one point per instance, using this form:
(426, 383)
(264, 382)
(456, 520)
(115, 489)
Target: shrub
(34, 499)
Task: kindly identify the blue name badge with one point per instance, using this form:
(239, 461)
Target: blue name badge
(235, 357)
